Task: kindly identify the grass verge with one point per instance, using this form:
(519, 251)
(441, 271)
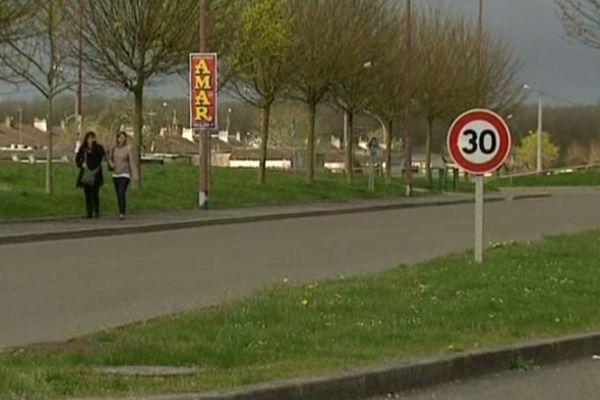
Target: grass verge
(175, 187)
(589, 177)
(524, 291)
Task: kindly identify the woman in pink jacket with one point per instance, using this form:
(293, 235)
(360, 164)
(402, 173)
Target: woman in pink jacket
(123, 165)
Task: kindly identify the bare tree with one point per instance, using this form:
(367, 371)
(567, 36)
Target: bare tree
(224, 30)
(38, 58)
(450, 82)
(386, 100)
(131, 43)
(316, 55)
(260, 60)
(581, 20)
(500, 87)
(12, 14)
(439, 36)
(360, 28)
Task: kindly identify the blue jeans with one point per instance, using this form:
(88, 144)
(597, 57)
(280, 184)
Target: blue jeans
(121, 185)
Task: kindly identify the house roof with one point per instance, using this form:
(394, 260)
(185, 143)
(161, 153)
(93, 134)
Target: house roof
(254, 154)
(174, 144)
(29, 137)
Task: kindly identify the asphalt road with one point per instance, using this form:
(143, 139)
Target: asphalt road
(56, 290)
(575, 381)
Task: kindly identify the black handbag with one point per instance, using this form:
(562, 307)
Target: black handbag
(88, 177)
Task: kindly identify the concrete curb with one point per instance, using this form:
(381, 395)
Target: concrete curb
(529, 196)
(219, 221)
(399, 377)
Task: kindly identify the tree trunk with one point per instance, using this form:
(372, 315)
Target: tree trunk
(428, 151)
(49, 153)
(344, 138)
(266, 112)
(310, 148)
(349, 146)
(388, 151)
(138, 126)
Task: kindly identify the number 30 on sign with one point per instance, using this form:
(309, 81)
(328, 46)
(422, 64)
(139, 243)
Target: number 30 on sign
(479, 141)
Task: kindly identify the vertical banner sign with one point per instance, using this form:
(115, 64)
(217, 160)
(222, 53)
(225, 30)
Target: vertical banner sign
(203, 91)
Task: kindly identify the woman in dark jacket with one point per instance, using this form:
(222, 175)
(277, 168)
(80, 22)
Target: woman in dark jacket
(89, 160)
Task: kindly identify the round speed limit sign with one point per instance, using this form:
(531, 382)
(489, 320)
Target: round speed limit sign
(479, 141)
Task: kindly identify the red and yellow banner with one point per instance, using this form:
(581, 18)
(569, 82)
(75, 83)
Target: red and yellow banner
(203, 91)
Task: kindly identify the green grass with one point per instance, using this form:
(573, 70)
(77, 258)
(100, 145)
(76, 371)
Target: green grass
(589, 177)
(175, 187)
(524, 291)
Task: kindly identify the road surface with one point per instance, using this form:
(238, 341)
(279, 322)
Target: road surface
(575, 381)
(57, 290)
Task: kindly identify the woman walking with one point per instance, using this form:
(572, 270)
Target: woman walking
(123, 165)
(89, 160)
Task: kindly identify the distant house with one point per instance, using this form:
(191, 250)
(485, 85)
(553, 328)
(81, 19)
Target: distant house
(24, 137)
(31, 140)
(173, 145)
(249, 158)
(419, 161)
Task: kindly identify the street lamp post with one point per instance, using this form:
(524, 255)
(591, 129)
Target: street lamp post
(173, 128)
(20, 111)
(229, 111)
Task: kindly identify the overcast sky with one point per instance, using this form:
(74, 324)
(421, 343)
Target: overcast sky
(567, 71)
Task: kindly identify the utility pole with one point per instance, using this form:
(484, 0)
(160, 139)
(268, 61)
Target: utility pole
(79, 93)
(408, 102)
(204, 139)
(479, 54)
(480, 15)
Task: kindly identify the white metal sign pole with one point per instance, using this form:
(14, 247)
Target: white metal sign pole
(478, 219)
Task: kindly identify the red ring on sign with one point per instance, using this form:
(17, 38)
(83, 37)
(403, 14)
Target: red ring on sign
(504, 141)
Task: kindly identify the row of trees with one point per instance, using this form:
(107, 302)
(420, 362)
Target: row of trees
(348, 53)
(353, 54)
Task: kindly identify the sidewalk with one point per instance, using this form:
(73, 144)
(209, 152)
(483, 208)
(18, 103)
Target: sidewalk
(12, 232)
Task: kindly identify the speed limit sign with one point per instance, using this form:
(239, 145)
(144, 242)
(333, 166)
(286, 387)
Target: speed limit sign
(479, 141)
